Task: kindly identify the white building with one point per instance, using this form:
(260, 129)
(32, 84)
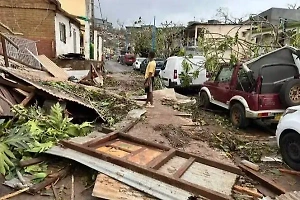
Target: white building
(67, 34)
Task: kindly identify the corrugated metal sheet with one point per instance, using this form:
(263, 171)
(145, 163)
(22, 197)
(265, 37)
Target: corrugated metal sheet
(36, 82)
(141, 182)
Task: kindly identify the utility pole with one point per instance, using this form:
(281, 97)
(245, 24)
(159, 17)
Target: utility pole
(92, 20)
(87, 29)
(153, 35)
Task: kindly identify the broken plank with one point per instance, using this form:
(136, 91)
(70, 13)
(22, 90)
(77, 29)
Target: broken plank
(28, 99)
(51, 67)
(14, 84)
(22, 92)
(248, 191)
(276, 188)
(32, 161)
(7, 95)
(289, 171)
(182, 184)
(108, 188)
(14, 194)
(183, 168)
(250, 165)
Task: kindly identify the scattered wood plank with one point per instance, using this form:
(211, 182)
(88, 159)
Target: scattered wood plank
(51, 67)
(22, 92)
(247, 191)
(290, 172)
(14, 194)
(276, 188)
(72, 189)
(32, 161)
(28, 99)
(183, 115)
(49, 180)
(54, 192)
(250, 165)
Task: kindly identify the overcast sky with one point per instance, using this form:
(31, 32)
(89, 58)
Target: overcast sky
(180, 11)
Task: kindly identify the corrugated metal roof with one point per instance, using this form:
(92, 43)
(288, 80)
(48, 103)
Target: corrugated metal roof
(34, 80)
(139, 181)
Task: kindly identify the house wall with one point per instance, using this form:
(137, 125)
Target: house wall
(220, 30)
(274, 14)
(34, 19)
(72, 44)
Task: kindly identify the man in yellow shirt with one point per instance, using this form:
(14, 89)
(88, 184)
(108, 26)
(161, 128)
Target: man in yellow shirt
(149, 79)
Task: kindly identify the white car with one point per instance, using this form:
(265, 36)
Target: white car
(137, 63)
(288, 137)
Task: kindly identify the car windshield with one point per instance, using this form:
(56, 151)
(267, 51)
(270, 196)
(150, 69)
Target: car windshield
(140, 59)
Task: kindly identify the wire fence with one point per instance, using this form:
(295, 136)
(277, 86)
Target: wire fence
(22, 54)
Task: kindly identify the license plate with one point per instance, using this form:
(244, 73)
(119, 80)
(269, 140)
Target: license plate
(278, 117)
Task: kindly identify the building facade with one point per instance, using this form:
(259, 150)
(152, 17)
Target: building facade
(43, 21)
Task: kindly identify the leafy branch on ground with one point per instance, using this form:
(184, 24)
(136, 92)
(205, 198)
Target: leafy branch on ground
(33, 131)
(112, 108)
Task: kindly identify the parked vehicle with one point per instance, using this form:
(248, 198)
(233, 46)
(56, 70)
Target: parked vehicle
(288, 137)
(173, 67)
(129, 59)
(137, 64)
(261, 88)
(159, 64)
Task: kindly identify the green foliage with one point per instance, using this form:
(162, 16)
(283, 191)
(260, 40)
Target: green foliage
(187, 75)
(111, 107)
(35, 132)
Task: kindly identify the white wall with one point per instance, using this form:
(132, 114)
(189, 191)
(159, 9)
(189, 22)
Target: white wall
(97, 47)
(69, 46)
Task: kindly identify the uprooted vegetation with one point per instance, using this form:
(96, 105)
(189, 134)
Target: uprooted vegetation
(32, 131)
(217, 130)
(113, 108)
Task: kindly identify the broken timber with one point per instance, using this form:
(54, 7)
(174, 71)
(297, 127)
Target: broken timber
(131, 155)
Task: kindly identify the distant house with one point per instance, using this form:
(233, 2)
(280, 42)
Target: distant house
(273, 15)
(213, 29)
(103, 24)
(44, 21)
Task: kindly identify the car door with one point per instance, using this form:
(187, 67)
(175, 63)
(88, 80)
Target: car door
(220, 88)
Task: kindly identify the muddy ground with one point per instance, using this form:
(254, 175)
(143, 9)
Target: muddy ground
(205, 133)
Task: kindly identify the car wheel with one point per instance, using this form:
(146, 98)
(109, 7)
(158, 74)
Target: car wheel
(238, 116)
(290, 149)
(204, 100)
(290, 93)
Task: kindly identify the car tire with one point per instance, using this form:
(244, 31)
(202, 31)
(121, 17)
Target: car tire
(238, 116)
(204, 100)
(290, 149)
(290, 93)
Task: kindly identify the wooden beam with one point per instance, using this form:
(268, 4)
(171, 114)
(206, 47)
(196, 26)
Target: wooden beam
(212, 163)
(143, 142)
(162, 159)
(27, 99)
(22, 92)
(14, 84)
(179, 183)
(4, 50)
(95, 142)
(264, 180)
(184, 167)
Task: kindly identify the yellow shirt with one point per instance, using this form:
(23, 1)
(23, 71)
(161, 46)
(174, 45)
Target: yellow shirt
(150, 69)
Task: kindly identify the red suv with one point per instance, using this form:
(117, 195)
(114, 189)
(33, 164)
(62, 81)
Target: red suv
(258, 89)
(129, 59)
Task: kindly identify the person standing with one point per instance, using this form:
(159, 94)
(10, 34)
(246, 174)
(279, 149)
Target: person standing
(149, 79)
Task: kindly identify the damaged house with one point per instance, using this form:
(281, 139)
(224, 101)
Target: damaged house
(55, 31)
